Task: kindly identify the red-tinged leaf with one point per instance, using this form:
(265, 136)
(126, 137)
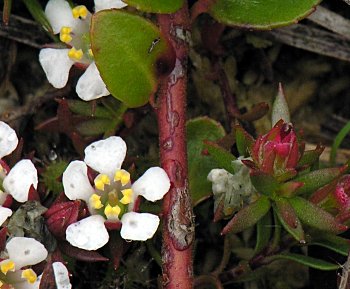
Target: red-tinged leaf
(8, 201)
(310, 157)
(219, 213)
(322, 193)
(264, 183)
(289, 220)
(223, 158)
(200, 7)
(3, 234)
(6, 11)
(313, 216)
(80, 254)
(60, 216)
(256, 112)
(48, 277)
(33, 194)
(113, 225)
(248, 216)
(116, 247)
(244, 141)
(211, 34)
(288, 189)
(317, 179)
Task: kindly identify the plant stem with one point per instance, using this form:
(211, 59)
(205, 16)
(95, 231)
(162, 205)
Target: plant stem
(178, 227)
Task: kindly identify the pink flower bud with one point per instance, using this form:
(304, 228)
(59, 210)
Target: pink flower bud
(276, 152)
(60, 216)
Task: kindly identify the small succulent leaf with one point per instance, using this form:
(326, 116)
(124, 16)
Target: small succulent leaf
(129, 59)
(280, 108)
(244, 141)
(288, 189)
(264, 183)
(38, 13)
(156, 6)
(222, 157)
(263, 232)
(248, 216)
(316, 179)
(261, 15)
(95, 126)
(307, 261)
(289, 220)
(199, 165)
(86, 109)
(310, 157)
(313, 216)
(332, 242)
(52, 174)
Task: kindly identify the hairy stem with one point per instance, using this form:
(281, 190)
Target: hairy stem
(178, 227)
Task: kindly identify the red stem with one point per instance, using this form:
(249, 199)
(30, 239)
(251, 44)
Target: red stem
(178, 226)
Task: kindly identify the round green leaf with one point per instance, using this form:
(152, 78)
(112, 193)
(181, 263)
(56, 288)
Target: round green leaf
(199, 165)
(130, 53)
(156, 6)
(261, 14)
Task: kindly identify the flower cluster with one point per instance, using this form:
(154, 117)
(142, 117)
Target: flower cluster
(72, 25)
(113, 196)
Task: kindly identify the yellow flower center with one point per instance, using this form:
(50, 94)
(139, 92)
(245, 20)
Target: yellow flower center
(7, 265)
(80, 11)
(65, 34)
(75, 54)
(112, 196)
(29, 275)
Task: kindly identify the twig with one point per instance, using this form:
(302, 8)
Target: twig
(178, 225)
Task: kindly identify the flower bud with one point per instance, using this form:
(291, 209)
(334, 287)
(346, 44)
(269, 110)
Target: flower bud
(276, 152)
(60, 216)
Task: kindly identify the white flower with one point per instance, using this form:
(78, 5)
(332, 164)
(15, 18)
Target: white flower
(73, 26)
(61, 276)
(232, 189)
(112, 197)
(21, 177)
(22, 252)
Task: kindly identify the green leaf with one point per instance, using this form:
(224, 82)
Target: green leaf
(307, 261)
(289, 220)
(310, 157)
(264, 183)
(156, 6)
(95, 126)
(199, 165)
(244, 141)
(316, 179)
(38, 13)
(85, 108)
(248, 216)
(315, 217)
(130, 53)
(338, 140)
(332, 242)
(263, 233)
(261, 14)
(223, 158)
(52, 174)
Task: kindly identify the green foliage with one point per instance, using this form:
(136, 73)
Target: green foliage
(130, 53)
(156, 6)
(51, 176)
(261, 14)
(222, 157)
(199, 165)
(38, 13)
(263, 232)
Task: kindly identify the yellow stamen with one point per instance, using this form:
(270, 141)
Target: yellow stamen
(29, 275)
(90, 52)
(112, 213)
(65, 34)
(122, 176)
(7, 265)
(127, 194)
(75, 54)
(100, 181)
(95, 201)
(80, 11)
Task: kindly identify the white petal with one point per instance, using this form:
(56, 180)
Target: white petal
(56, 64)
(8, 139)
(90, 85)
(88, 234)
(106, 156)
(138, 227)
(76, 183)
(108, 4)
(152, 185)
(61, 276)
(22, 283)
(19, 180)
(4, 214)
(59, 14)
(25, 251)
